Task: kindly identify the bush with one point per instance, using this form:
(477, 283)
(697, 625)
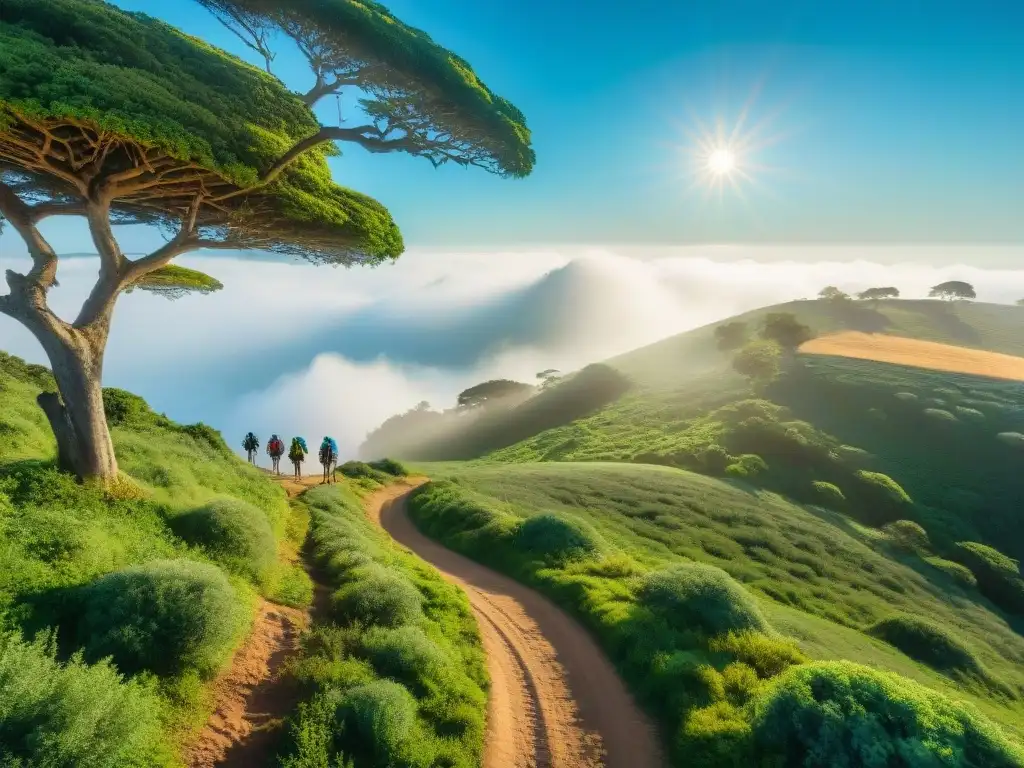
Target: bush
(972, 414)
(377, 596)
(74, 714)
(879, 499)
(714, 459)
(166, 616)
(768, 656)
(907, 397)
(232, 532)
(698, 596)
(747, 466)
(998, 576)
(928, 643)
(404, 654)
(378, 718)
(836, 713)
(956, 571)
(908, 535)
(390, 467)
(828, 495)
(939, 414)
(1013, 439)
(358, 470)
(123, 408)
(556, 539)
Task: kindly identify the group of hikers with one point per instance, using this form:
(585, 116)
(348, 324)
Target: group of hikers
(296, 454)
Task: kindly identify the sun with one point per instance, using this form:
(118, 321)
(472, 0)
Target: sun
(721, 161)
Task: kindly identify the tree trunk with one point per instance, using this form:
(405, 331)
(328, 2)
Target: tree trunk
(78, 420)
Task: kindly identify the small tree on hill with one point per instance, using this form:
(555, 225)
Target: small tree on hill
(785, 330)
(548, 378)
(119, 118)
(730, 336)
(953, 290)
(877, 294)
(492, 391)
(758, 361)
(831, 293)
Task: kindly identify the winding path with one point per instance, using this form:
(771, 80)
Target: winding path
(556, 701)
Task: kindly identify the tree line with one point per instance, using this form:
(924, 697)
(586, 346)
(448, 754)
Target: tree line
(951, 290)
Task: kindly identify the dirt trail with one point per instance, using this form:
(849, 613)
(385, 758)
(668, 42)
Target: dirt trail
(556, 701)
(918, 354)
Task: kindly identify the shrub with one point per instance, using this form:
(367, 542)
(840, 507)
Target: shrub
(390, 467)
(698, 596)
(358, 470)
(557, 539)
(828, 495)
(928, 643)
(714, 459)
(232, 532)
(908, 535)
(1013, 439)
(74, 714)
(377, 596)
(123, 408)
(998, 575)
(959, 572)
(972, 414)
(404, 654)
(939, 414)
(905, 396)
(166, 616)
(836, 713)
(378, 718)
(768, 656)
(747, 466)
(879, 498)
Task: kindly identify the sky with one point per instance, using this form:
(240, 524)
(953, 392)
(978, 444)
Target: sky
(883, 147)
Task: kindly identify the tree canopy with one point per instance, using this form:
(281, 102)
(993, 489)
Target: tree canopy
(758, 360)
(419, 97)
(490, 391)
(729, 336)
(173, 282)
(785, 330)
(831, 293)
(953, 289)
(93, 98)
(874, 294)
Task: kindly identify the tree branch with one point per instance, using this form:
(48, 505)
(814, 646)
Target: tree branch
(45, 210)
(111, 259)
(323, 88)
(44, 260)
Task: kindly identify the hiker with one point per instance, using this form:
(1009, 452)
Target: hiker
(251, 443)
(275, 447)
(328, 457)
(297, 454)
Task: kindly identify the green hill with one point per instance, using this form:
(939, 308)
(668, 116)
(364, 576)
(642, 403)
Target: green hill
(96, 574)
(994, 327)
(715, 599)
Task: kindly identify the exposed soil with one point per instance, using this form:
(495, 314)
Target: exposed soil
(918, 354)
(252, 697)
(556, 701)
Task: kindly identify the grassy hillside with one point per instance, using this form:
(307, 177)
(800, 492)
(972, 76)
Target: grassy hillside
(995, 327)
(159, 573)
(721, 604)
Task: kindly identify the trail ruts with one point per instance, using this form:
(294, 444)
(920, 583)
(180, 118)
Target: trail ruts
(556, 701)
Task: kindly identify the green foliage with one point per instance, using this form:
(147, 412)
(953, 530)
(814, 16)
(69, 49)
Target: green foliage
(928, 643)
(376, 596)
(747, 467)
(998, 575)
(173, 282)
(939, 414)
(785, 330)
(358, 470)
(401, 680)
(730, 336)
(557, 540)
(839, 713)
(125, 409)
(232, 532)
(493, 391)
(880, 498)
(166, 616)
(875, 294)
(703, 597)
(959, 573)
(828, 495)
(714, 459)
(953, 289)
(141, 82)
(390, 467)
(758, 360)
(54, 714)
(908, 535)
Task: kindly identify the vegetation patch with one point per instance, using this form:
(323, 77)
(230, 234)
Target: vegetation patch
(928, 643)
(696, 595)
(557, 540)
(397, 675)
(998, 575)
(233, 533)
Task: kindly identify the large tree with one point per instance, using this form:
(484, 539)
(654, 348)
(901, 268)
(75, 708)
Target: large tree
(119, 118)
(493, 391)
(882, 292)
(953, 290)
(785, 330)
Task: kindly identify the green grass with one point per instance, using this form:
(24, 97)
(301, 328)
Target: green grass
(394, 675)
(813, 575)
(106, 571)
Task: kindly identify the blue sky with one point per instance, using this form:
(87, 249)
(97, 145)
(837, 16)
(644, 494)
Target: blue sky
(892, 120)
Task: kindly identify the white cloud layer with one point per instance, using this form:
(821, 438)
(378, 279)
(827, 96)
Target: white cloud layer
(293, 348)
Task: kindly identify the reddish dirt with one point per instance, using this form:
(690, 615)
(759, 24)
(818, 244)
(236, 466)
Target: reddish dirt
(252, 697)
(918, 354)
(556, 701)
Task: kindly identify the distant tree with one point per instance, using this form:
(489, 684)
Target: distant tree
(953, 290)
(831, 293)
(785, 330)
(875, 294)
(421, 406)
(548, 378)
(730, 336)
(758, 361)
(490, 391)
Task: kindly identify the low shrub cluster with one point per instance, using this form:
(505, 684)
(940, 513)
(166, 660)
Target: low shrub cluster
(235, 534)
(998, 575)
(928, 643)
(396, 677)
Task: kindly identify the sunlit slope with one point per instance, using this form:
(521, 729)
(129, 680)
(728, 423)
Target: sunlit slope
(992, 327)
